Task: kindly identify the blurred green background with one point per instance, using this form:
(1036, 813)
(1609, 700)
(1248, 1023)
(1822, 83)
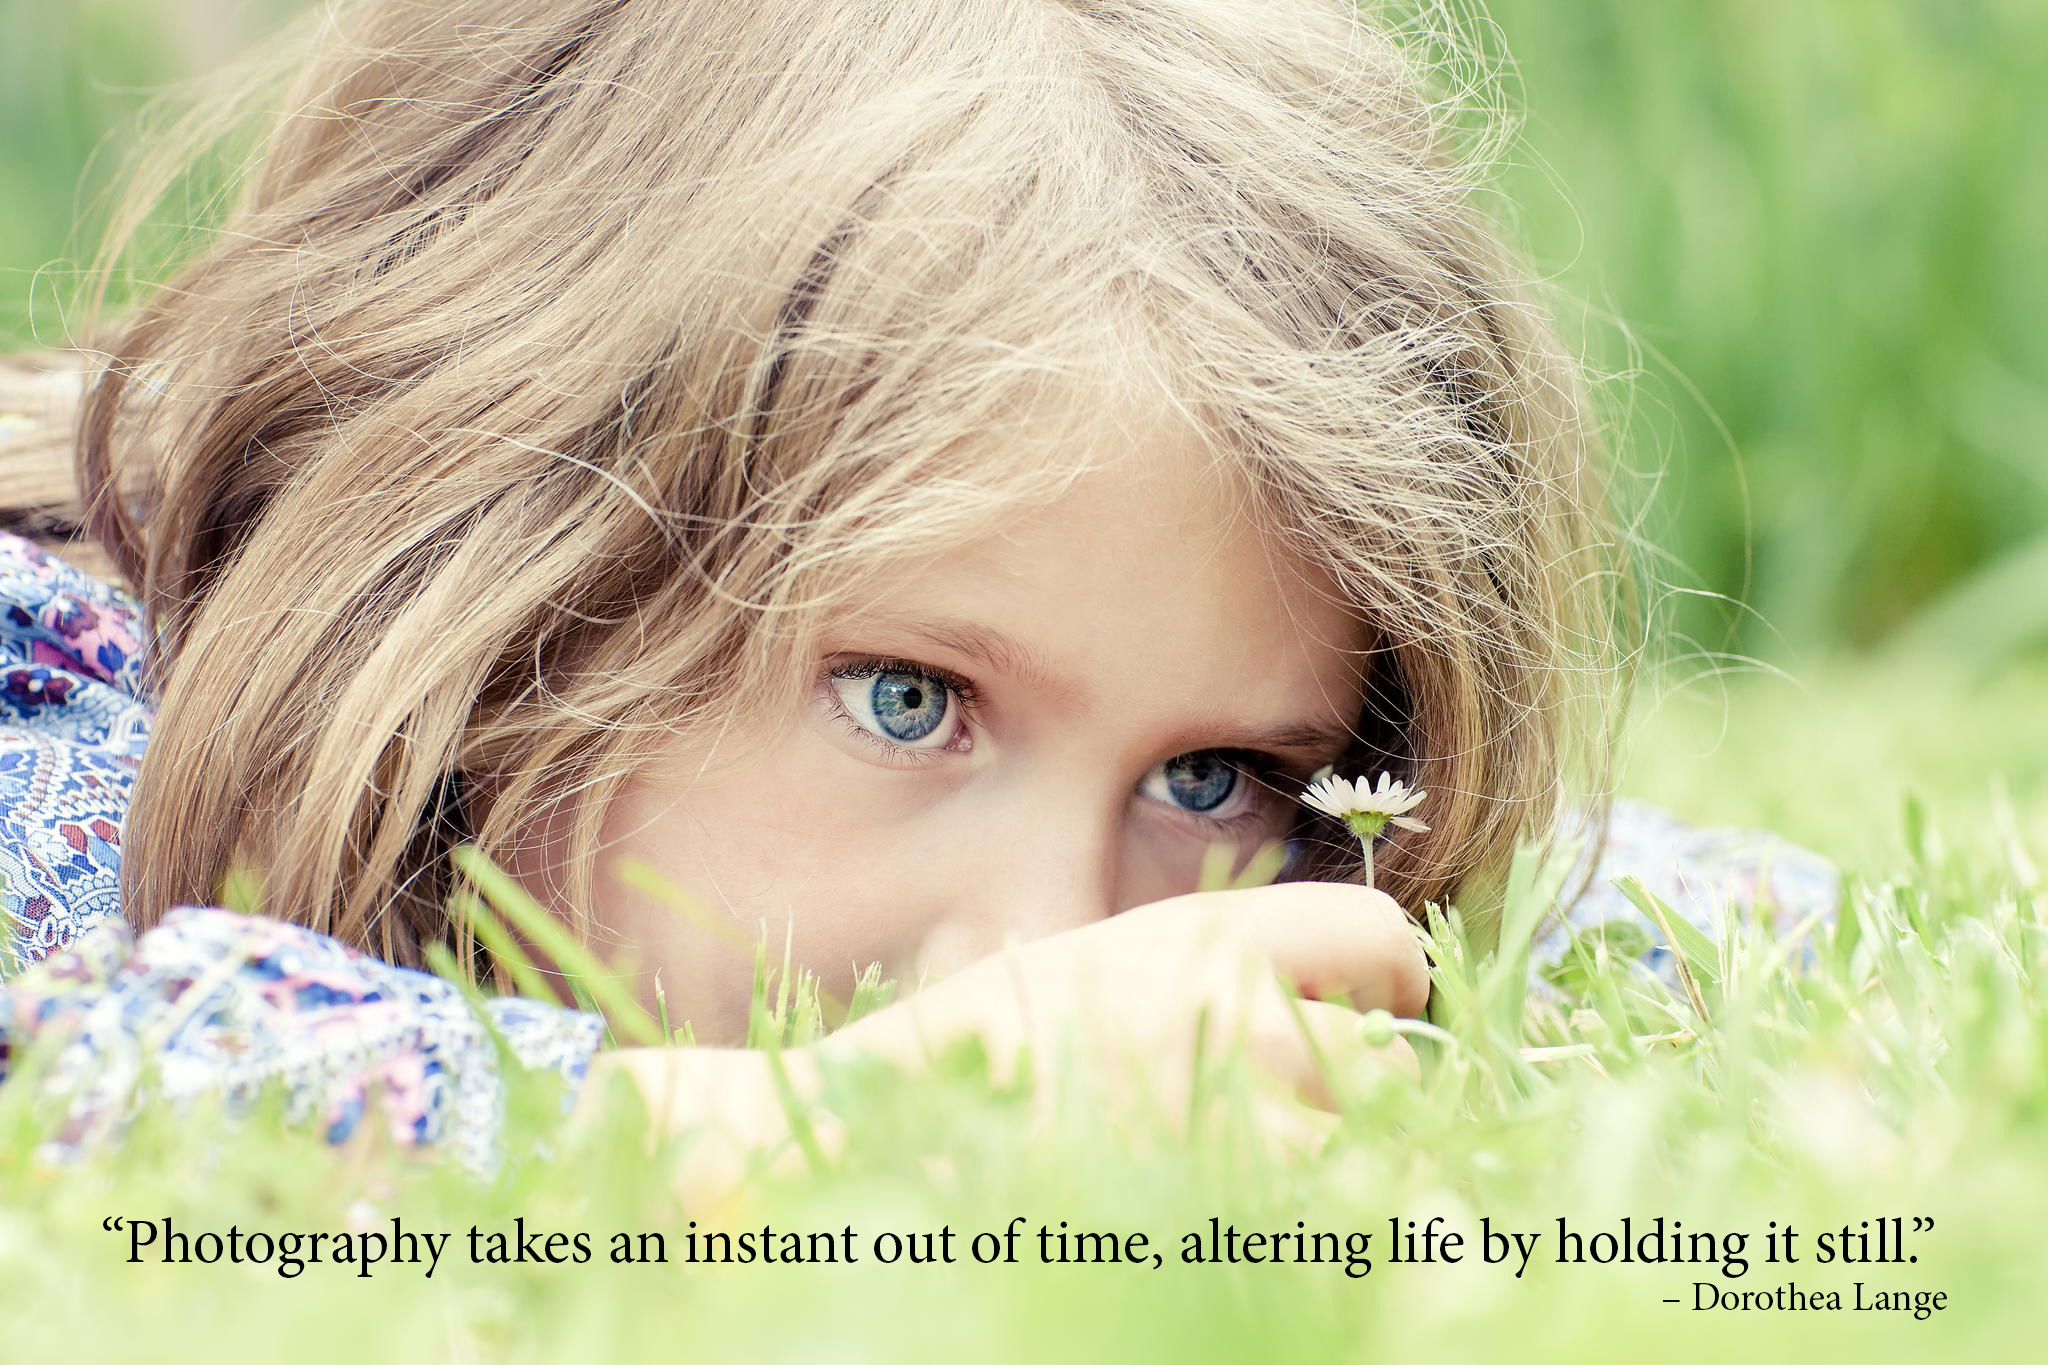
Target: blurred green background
(1807, 240)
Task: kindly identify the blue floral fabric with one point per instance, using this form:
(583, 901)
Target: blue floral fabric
(208, 1001)
(1714, 878)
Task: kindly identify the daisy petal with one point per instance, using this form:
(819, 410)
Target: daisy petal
(1340, 796)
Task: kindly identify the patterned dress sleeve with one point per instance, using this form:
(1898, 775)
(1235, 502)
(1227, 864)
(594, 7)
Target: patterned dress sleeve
(215, 1003)
(209, 1001)
(1712, 877)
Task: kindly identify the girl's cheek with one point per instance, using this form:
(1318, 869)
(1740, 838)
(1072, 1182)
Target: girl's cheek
(1163, 861)
(767, 857)
(1157, 866)
(828, 839)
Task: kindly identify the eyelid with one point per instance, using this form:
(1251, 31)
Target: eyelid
(1266, 771)
(868, 665)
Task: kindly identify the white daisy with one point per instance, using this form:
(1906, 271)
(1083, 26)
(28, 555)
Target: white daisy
(1366, 808)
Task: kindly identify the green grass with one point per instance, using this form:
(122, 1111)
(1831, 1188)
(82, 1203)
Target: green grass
(1900, 1074)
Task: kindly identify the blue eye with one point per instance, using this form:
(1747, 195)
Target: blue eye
(904, 707)
(1201, 782)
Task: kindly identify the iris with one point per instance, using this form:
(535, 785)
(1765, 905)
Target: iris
(907, 706)
(1199, 781)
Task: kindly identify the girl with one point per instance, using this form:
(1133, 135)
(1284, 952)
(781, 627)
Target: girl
(914, 473)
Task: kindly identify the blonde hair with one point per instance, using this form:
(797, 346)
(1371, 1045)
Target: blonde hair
(564, 361)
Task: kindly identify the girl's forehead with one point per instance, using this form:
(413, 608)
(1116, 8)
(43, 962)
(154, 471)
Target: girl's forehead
(1149, 576)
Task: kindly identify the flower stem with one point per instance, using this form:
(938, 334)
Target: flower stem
(1367, 826)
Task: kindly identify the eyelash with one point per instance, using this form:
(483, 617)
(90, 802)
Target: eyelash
(1262, 770)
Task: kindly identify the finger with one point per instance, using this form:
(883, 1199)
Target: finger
(1323, 1050)
(1397, 1057)
(1332, 940)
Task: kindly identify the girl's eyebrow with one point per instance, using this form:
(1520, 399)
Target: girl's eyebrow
(1311, 739)
(995, 650)
(1317, 739)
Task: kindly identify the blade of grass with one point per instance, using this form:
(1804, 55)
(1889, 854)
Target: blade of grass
(1536, 877)
(586, 975)
(1262, 867)
(1215, 873)
(1691, 950)
(502, 945)
(643, 877)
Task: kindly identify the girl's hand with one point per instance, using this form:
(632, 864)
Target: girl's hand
(1134, 1001)
(1144, 993)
